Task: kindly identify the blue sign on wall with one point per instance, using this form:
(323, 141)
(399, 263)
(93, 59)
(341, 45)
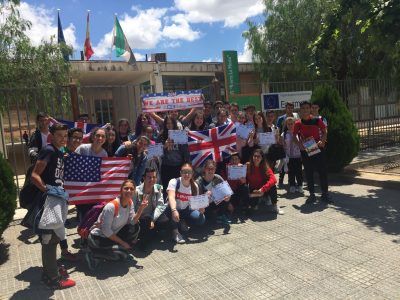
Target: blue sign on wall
(270, 101)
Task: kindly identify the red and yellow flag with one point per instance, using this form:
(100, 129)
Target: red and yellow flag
(88, 48)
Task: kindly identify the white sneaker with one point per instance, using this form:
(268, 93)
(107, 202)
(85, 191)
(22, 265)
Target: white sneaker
(292, 189)
(178, 238)
(300, 189)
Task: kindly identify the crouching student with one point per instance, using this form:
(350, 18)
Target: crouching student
(262, 182)
(179, 190)
(116, 229)
(206, 182)
(240, 189)
(152, 217)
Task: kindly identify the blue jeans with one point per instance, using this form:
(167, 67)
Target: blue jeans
(194, 217)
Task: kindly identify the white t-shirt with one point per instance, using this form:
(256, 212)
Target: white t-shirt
(181, 195)
(45, 139)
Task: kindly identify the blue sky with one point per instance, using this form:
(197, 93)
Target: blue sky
(187, 30)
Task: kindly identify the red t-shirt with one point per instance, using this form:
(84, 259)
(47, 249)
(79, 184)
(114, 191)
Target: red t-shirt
(309, 128)
(257, 181)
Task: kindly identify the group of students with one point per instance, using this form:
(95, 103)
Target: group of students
(156, 194)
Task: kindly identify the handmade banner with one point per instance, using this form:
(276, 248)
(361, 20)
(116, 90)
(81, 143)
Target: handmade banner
(181, 100)
(217, 144)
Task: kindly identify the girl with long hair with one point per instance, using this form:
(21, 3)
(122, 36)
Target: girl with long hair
(179, 190)
(262, 182)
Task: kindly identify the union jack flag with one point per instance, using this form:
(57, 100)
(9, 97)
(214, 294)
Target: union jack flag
(217, 144)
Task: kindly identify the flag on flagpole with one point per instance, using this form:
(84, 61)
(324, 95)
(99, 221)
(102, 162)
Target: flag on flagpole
(217, 144)
(88, 48)
(60, 37)
(121, 45)
(91, 179)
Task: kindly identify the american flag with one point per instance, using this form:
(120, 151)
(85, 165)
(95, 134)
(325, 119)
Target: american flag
(216, 144)
(91, 179)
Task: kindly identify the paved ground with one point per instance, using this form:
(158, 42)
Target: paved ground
(350, 250)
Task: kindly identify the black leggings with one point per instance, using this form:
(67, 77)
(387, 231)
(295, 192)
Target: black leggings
(106, 248)
(272, 193)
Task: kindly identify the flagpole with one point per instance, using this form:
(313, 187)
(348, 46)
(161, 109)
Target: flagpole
(113, 35)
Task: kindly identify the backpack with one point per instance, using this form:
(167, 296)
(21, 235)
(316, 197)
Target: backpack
(29, 192)
(92, 216)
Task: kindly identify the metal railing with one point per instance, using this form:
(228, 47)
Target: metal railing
(373, 103)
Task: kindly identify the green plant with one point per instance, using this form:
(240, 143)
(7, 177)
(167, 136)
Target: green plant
(343, 139)
(8, 194)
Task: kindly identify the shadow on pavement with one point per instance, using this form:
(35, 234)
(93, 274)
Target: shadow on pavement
(36, 289)
(309, 208)
(379, 209)
(4, 249)
(28, 237)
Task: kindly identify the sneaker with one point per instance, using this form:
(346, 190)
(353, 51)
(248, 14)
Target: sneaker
(183, 226)
(63, 272)
(275, 209)
(292, 189)
(69, 256)
(60, 283)
(91, 261)
(311, 199)
(326, 198)
(224, 219)
(178, 238)
(299, 189)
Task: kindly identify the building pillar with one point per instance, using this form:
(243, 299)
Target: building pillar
(73, 90)
(216, 89)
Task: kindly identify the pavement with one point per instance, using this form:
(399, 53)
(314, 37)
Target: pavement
(349, 250)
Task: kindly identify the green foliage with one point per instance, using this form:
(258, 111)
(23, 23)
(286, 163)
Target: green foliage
(343, 139)
(23, 65)
(281, 46)
(360, 39)
(8, 192)
(318, 39)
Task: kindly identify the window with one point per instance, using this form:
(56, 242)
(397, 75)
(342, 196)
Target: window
(103, 110)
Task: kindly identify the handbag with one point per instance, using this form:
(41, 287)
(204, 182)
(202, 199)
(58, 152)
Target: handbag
(54, 214)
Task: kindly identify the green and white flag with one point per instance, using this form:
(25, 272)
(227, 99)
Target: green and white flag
(121, 45)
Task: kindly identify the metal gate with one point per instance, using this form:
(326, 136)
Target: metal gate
(18, 120)
(374, 104)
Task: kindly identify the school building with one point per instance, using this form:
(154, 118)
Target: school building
(110, 90)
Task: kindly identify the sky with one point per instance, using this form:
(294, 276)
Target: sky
(187, 30)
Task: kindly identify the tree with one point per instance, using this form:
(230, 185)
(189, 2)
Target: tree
(360, 39)
(343, 139)
(23, 65)
(281, 45)
(8, 192)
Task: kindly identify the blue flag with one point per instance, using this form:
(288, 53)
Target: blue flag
(60, 37)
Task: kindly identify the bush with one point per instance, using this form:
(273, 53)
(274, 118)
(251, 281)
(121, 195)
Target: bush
(343, 139)
(8, 194)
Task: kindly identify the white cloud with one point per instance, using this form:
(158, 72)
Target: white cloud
(180, 29)
(246, 55)
(215, 59)
(44, 25)
(232, 12)
(172, 44)
(139, 56)
(143, 31)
